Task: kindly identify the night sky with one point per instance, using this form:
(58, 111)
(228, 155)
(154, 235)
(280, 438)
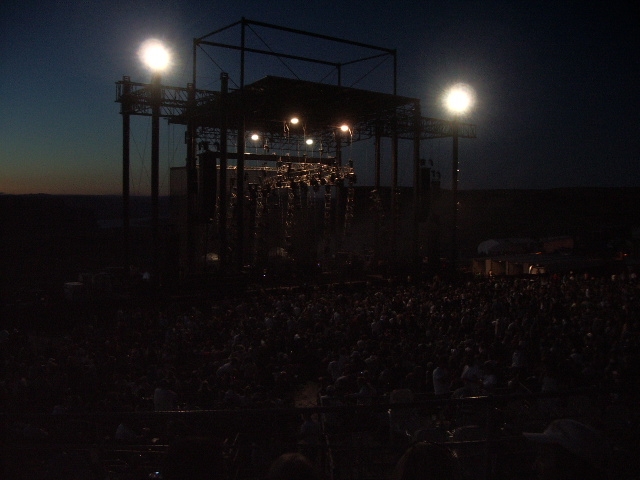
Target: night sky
(557, 84)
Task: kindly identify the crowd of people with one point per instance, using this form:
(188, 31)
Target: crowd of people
(434, 337)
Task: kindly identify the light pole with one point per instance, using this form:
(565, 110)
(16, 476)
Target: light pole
(156, 57)
(457, 100)
(126, 171)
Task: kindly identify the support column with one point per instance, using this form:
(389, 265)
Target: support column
(224, 160)
(454, 195)
(417, 130)
(192, 181)
(240, 198)
(376, 184)
(126, 172)
(156, 100)
(394, 186)
(239, 213)
(378, 155)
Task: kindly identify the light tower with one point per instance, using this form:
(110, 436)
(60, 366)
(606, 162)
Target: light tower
(458, 100)
(156, 58)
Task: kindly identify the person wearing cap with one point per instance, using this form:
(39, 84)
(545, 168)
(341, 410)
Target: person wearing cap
(568, 449)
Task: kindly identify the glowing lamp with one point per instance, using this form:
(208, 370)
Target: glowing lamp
(154, 55)
(459, 98)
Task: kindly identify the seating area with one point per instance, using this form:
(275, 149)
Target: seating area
(512, 354)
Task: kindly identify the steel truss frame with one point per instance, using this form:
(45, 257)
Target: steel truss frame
(225, 118)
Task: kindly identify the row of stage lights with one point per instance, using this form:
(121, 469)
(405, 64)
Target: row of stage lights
(344, 128)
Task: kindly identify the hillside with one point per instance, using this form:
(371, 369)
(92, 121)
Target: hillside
(49, 239)
(591, 216)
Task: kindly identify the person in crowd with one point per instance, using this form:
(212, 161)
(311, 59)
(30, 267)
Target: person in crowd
(471, 379)
(442, 378)
(309, 436)
(366, 392)
(164, 398)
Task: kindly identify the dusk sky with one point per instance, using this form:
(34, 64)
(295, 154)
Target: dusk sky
(557, 84)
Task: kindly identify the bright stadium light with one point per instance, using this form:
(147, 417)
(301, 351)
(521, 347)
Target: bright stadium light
(459, 98)
(154, 55)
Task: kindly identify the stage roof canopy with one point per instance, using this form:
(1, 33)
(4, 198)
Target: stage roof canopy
(271, 102)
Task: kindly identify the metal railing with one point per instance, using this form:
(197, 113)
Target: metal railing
(354, 441)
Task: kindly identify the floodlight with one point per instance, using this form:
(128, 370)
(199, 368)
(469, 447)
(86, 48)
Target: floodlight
(154, 55)
(459, 98)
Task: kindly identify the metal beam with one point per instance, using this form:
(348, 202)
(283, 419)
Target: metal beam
(270, 53)
(175, 103)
